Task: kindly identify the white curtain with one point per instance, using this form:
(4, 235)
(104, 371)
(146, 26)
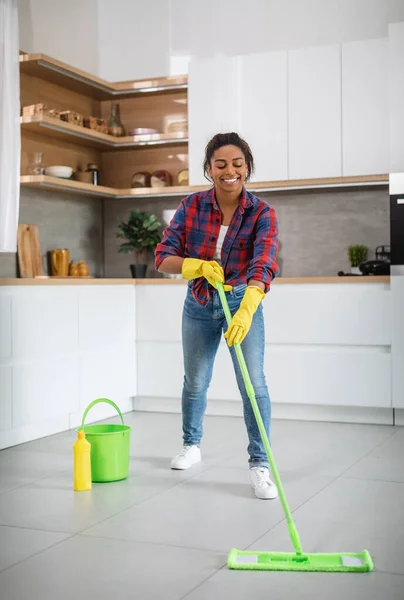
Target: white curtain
(10, 141)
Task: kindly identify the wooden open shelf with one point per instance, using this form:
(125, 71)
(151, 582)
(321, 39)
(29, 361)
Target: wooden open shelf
(67, 132)
(64, 75)
(86, 189)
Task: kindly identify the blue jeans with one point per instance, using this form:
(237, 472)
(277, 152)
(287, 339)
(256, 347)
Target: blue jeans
(202, 329)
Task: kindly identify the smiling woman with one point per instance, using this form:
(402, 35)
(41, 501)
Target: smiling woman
(240, 231)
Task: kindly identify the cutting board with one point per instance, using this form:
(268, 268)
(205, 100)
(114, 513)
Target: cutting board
(29, 252)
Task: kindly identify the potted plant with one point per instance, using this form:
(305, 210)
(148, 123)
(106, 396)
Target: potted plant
(357, 255)
(141, 234)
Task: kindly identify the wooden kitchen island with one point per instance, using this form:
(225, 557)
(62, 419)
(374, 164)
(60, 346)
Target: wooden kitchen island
(66, 342)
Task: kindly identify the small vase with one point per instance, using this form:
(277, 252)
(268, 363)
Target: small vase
(73, 269)
(115, 126)
(82, 269)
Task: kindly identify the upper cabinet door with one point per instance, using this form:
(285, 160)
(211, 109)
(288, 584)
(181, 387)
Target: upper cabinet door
(212, 107)
(365, 110)
(315, 112)
(396, 97)
(263, 112)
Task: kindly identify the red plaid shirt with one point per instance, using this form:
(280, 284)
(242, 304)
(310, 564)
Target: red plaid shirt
(249, 249)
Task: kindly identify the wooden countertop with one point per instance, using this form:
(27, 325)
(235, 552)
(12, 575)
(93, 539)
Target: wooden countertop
(166, 281)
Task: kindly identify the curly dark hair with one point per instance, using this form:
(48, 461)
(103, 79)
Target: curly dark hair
(228, 139)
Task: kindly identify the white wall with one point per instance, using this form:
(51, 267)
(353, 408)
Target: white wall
(64, 30)
(132, 39)
(237, 27)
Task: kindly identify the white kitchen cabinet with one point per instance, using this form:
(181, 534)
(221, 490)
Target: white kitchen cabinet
(396, 96)
(397, 342)
(212, 107)
(5, 326)
(365, 108)
(314, 104)
(5, 398)
(263, 117)
(63, 346)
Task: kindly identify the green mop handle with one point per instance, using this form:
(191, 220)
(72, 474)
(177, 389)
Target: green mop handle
(294, 535)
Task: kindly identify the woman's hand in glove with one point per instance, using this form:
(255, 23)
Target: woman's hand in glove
(210, 269)
(241, 321)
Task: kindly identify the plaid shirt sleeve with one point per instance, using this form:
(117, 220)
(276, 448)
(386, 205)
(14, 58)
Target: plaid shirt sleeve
(173, 242)
(263, 267)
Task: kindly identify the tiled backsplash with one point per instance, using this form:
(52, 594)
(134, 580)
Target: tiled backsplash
(64, 221)
(315, 228)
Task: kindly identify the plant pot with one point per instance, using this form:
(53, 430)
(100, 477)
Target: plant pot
(356, 271)
(138, 271)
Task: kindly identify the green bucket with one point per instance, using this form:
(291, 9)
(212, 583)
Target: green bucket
(110, 446)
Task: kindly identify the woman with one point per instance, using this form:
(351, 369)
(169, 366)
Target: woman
(223, 234)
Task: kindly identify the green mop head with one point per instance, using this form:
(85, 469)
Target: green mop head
(290, 561)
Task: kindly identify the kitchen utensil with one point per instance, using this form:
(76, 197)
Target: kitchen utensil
(95, 173)
(37, 164)
(82, 268)
(383, 253)
(141, 179)
(29, 253)
(60, 262)
(142, 131)
(178, 127)
(375, 267)
(183, 177)
(161, 179)
(83, 176)
(59, 171)
(73, 269)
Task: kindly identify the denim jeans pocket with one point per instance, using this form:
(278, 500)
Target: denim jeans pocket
(238, 291)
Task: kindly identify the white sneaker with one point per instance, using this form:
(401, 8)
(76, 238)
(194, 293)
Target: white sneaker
(264, 488)
(190, 455)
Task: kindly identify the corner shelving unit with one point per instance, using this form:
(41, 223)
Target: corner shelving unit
(63, 87)
(85, 189)
(153, 103)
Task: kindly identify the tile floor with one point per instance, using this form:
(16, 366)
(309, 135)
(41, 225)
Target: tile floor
(165, 534)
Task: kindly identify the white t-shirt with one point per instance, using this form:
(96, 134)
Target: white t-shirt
(218, 251)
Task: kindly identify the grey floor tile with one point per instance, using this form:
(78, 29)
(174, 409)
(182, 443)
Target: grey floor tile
(18, 544)
(214, 510)
(349, 515)
(384, 463)
(241, 585)
(97, 568)
(51, 504)
(166, 534)
(326, 449)
(27, 466)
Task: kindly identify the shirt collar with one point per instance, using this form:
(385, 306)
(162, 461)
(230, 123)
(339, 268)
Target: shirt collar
(245, 200)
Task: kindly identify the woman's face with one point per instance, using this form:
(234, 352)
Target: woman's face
(228, 169)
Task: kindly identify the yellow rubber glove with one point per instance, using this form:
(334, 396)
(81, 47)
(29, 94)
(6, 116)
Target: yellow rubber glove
(210, 269)
(241, 321)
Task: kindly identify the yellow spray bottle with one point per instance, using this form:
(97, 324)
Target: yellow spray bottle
(82, 463)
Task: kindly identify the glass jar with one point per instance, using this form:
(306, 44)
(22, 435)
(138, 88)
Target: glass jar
(37, 166)
(115, 126)
(95, 173)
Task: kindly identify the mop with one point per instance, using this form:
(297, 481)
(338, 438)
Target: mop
(285, 561)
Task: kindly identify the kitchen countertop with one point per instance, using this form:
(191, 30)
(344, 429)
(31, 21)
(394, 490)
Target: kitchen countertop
(167, 281)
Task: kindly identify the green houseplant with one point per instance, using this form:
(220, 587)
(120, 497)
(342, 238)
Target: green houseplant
(141, 233)
(357, 254)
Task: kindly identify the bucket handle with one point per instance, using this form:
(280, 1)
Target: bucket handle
(94, 402)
